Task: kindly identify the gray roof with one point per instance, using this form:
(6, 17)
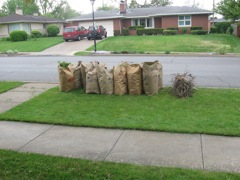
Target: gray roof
(143, 12)
(15, 18)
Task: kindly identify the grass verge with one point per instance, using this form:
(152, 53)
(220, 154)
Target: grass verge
(178, 43)
(33, 166)
(5, 86)
(210, 111)
(82, 53)
(31, 45)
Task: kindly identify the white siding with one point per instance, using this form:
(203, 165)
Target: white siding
(4, 31)
(108, 24)
(38, 27)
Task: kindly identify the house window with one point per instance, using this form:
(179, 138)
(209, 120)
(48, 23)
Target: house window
(22, 27)
(146, 22)
(184, 20)
(14, 27)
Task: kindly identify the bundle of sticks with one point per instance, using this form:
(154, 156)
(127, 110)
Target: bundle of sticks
(183, 85)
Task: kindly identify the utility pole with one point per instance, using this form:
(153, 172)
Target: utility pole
(213, 11)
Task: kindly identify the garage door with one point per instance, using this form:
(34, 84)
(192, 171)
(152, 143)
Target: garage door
(107, 24)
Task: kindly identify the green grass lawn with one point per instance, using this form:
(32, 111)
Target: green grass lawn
(209, 111)
(5, 86)
(33, 166)
(178, 43)
(31, 45)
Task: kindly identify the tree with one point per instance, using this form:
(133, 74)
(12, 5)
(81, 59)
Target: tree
(192, 3)
(134, 4)
(9, 7)
(63, 11)
(230, 9)
(106, 8)
(160, 2)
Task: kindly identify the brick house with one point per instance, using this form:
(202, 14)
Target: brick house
(18, 21)
(151, 17)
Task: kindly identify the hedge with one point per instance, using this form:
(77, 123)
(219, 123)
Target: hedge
(170, 32)
(213, 29)
(199, 32)
(135, 27)
(151, 31)
(125, 32)
(196, 28)
(173, 28)
(117, 32)
(222, 27)
(18, 36)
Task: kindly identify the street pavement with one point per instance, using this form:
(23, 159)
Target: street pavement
(210, 71)
(195, 151)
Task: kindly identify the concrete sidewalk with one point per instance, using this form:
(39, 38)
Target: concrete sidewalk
(195, 151)
(21, 94)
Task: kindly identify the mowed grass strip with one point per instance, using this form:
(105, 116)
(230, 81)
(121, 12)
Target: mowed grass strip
(31, 45)
(5, 86)
(209, 111)
(177, 43)
(33, 166)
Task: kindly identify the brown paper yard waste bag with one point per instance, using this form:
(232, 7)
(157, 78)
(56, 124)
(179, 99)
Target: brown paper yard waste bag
(105, 79)
(66, 79)
(150, 78)
(76, 70)
(85, 67)
(92, 86)
(134, 78)
(160, 75)
(120, 79)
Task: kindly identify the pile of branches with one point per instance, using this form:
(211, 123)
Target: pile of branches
(183, 85)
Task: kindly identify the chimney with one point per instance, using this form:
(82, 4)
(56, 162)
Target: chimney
(35, 14)
(19, 11)
(123, 7)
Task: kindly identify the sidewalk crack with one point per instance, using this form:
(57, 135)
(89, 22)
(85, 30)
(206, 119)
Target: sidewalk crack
(114, 145)
(19, 149)
(202, 152)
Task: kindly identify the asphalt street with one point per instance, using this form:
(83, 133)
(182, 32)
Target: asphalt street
(210, 71)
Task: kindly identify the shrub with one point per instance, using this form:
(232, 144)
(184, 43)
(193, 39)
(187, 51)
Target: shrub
(5, 39)
(52, 30)
(140, 32)
(135, 27)
(36, 34)
(125, 32)
(238, 24)
(230, 30)
(170, 32)
(196, 28)
(222, 27)
(151, 31)
(213, 29)
(222, 50)
(173, 28)
(184, 30)
(18, 36)
(199, 32)
(117, 32)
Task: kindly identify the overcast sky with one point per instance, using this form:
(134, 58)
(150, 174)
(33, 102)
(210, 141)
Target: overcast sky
(84, 6)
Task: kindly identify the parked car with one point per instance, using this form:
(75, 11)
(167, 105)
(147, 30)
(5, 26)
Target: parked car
(100, 32)
(74, 33)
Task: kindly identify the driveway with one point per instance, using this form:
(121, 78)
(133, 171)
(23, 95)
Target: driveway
(66, 48)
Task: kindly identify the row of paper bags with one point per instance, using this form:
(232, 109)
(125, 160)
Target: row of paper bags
(133, 79)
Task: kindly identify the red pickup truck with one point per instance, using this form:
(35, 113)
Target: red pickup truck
(74, 33)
